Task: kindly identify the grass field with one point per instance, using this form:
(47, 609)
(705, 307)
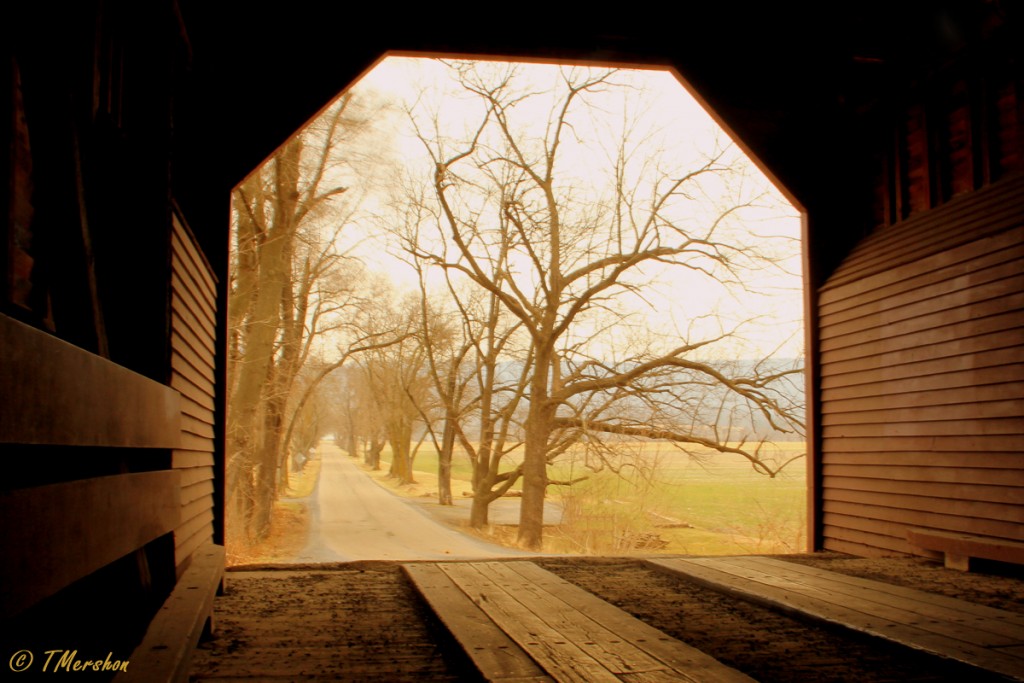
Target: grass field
(672, 502)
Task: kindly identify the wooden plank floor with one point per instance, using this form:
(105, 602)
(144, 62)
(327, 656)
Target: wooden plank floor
(976, 635)
(518, 622)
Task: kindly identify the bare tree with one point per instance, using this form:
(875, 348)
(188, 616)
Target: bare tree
(571, 260)
(468, 338)
(287, 289)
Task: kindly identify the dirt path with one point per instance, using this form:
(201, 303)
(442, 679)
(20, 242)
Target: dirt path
(352, 518)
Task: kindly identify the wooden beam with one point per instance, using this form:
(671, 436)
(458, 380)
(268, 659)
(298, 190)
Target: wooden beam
(959, 548)
(165, 653)
(492, 651)
(58, 394)
(54, 535)
(974, 635)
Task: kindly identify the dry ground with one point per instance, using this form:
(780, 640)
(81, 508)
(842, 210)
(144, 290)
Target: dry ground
(362, 622)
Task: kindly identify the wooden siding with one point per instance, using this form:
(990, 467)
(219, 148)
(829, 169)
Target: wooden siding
(922, 377)
(57, 534)
(62, 395)
(193, 335)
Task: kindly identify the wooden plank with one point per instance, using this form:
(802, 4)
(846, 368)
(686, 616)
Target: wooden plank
(193, 475)
(996, 316)
(937, 303)
(974, 624)
(992, 266)
(926, 239)
(198, 300)
(864, 543)
(926, 432)
(1011, 407)
(191, 391)
(195, 509)
(197, 490)
(978, 256)
(860, 528)
(912, 229)
(184, 459)
(192, 408)
(871, 618)
(58, 394)
(183, 551)
(197, 355)
(560, 658)
(986, 212)
(191, 442)
(927, 459)
(184, 233)
(186, 362)
(982, 526)
(166, 650)
(184, 249)
(201, 316)
(881, 443)
(852, 548)
(187, 528)
(495, 655)
(930, 473)
(196, 427)
(583, 629)
(199, 334)
(684, 659)
(955, 352)
(54, 535)
(976, 365)
(966, 546)
(1004, 386)
(920, 602)
(186, 252)
(184, 268)
(950, 506)
(204, 314)
(1006, 495)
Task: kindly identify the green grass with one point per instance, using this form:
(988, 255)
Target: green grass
(729, 507)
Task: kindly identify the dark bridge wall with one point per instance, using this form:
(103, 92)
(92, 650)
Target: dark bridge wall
(107, 328)
(921, 326)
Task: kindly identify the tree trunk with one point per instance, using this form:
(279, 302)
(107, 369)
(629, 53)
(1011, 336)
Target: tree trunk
(400, 438)
(535, 483)
(247, 408)
(373, 449)
(444, 464)
(479, 512)
(539, 423)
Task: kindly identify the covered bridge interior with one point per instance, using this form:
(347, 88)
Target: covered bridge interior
(898, 127)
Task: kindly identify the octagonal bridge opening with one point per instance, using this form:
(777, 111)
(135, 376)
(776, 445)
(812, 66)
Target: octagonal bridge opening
(550, 306)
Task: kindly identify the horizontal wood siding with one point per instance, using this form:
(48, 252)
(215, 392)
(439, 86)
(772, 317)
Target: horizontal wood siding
(56, 534)
(922, 377)
(193, 335)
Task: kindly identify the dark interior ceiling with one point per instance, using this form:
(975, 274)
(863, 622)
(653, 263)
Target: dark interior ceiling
(767, 66)
(793, 80)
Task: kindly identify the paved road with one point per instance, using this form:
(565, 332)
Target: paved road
(354, 518)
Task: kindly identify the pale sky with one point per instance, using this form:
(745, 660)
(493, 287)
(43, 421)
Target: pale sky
(667, 118)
